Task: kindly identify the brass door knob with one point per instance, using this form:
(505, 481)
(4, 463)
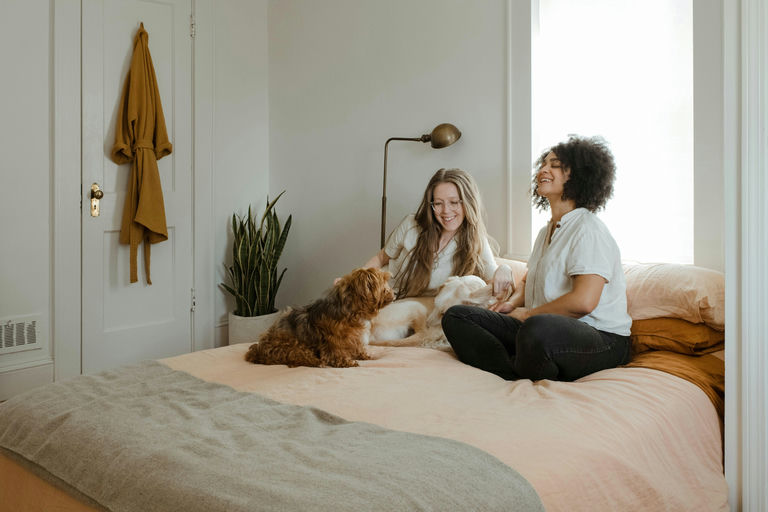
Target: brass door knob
(96, 195)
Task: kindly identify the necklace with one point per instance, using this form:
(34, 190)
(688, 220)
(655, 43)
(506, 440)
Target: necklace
(441, 246)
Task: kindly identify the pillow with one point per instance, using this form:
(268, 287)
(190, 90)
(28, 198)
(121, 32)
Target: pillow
(687, 292)
(519, 268)
(675, 335)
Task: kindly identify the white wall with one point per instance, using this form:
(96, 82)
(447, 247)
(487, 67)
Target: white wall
(25, 180)
(709, 204)
(240, 129)
(344, 76)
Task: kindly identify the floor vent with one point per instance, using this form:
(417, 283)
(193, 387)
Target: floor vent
(19, 333)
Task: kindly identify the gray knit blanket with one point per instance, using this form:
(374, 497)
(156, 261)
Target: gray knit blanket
(146, 437)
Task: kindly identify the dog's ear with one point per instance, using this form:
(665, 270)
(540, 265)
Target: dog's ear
(365, 290)
(481, 295)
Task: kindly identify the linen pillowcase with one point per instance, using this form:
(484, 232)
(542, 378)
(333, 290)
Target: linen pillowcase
(519, 268)
(675, 335)
(686, 292)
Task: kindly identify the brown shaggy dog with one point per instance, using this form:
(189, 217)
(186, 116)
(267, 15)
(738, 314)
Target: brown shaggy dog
(330, 331)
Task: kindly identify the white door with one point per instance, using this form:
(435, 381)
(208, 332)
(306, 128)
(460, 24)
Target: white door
(122, 322)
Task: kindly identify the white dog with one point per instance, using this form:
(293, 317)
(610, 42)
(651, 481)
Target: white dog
(406, 322)
(397, 321)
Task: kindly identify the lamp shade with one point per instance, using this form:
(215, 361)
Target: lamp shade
(444, 135)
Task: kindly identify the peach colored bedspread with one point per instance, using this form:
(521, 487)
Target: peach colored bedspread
(620, 439)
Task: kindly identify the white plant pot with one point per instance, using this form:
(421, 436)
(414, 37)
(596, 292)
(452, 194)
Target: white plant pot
(246, 329)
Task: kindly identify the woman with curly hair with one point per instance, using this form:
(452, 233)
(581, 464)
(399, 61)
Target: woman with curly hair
(446, 237)
(569, 316)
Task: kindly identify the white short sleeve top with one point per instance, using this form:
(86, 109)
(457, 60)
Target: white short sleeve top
(403, 240)
(581, 244)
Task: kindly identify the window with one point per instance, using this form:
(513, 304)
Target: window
(623, 69)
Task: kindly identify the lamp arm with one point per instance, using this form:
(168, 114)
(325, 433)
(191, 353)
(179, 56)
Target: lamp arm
(442, 136)
(384, 187)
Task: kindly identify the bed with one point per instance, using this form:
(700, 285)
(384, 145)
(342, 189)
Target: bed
(410, 429)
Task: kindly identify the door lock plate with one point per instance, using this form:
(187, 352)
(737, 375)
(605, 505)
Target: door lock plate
(96, 195)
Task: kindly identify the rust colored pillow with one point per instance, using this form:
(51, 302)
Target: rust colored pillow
(675, 335)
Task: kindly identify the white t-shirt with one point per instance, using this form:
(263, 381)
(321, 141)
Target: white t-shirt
(581, 244)
(402, 241)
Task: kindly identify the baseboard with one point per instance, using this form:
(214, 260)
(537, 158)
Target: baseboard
(221, 335)
(13, 382)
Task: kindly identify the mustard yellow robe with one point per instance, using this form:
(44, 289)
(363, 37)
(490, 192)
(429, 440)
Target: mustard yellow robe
(141, 139)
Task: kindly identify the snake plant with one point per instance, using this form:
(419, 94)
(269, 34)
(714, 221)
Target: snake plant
(253, 279)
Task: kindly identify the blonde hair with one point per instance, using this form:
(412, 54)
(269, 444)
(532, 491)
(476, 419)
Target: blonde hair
(413, 279)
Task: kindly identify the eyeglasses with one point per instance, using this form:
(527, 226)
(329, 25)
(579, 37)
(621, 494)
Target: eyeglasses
(441, 206)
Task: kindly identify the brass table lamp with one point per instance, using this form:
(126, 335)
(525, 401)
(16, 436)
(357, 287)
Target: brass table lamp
(442, 136)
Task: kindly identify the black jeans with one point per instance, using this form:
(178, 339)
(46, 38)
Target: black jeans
(551, 347)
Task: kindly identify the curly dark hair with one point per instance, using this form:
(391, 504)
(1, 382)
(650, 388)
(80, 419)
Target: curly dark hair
(593, 172)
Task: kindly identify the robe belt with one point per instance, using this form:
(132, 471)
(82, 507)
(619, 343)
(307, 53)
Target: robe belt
(145, 144)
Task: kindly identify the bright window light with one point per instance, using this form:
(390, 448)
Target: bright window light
(623, 69)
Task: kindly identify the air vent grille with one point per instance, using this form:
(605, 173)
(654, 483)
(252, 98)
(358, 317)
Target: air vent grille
(19, 333)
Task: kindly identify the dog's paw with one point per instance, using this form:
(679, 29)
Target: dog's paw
(341, 363)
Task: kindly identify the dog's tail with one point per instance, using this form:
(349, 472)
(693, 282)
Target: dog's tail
(254, 354)
(281, 350)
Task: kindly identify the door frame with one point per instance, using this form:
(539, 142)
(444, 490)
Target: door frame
(66, 190)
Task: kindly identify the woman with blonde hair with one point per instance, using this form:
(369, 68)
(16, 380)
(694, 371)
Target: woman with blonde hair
(445, 237)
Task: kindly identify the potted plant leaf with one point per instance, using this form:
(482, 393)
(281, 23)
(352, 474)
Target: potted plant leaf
(253, 278)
